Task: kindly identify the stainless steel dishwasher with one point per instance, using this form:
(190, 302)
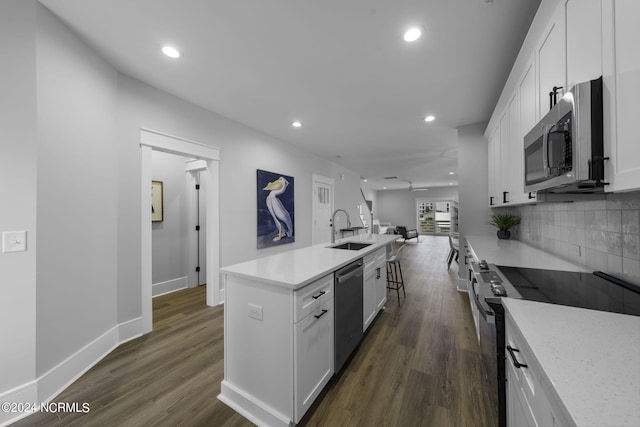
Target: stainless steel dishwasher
(348, 311)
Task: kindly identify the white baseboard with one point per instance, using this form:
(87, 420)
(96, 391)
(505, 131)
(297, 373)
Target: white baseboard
(26, 393)
(46, 387)
(250, 407)
(169, 286)
(130, 330)
(56, 379)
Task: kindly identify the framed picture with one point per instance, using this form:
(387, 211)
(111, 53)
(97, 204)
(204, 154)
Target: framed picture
(276, 219)
(157, 207)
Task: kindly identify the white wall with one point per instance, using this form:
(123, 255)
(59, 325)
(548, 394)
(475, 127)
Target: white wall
(399, 206)
(76, 194)
(18, 193)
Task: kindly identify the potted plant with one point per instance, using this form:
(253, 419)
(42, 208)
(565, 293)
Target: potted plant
(503, 222)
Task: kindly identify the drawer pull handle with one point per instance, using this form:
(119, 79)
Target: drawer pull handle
(324, 311)
(514, 359)
(378, 273)
(319, 295)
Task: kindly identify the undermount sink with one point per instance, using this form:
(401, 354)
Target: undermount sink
(352, 246)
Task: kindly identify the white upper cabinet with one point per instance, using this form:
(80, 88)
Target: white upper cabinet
(584, 40)
(621, 66)
(571, 41)
(551, 59)
(528, 100)
(503, 168)
(493, 152)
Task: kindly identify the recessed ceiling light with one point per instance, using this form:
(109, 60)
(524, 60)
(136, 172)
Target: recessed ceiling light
(412, 34)
(452, 173)
(451, 183)
(296, 124)
(365, 180)
(429, 118)
(384, 188)
(171, 52)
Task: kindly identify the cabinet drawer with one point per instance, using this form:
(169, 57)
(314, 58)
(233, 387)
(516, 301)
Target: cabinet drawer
(311, 297)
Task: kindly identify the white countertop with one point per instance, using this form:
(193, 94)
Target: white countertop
(591, 359)
(513, 253)
(299, 267)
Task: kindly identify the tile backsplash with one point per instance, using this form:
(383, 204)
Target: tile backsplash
(602, 233)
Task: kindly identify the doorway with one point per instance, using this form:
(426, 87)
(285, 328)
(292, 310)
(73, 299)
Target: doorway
(152, 140)
(178, 223)
(436, 217)
(197, 223)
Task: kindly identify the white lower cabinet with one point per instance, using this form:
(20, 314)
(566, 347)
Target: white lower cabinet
(374, 292)
(381, 283)
(313, 356)
(279, 348)
(528, 394)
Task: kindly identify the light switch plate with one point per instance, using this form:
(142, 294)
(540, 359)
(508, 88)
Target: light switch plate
(14, 241)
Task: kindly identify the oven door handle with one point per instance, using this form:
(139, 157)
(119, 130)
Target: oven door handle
(481, 309)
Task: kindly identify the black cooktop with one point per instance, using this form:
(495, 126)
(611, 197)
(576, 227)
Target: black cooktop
(596, 291)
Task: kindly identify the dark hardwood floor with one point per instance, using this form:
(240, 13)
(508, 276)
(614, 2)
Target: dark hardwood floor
(418, 364)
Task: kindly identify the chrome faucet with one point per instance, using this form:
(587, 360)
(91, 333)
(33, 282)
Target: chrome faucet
(333, 223)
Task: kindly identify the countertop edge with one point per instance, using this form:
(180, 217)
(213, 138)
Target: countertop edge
(381, 241)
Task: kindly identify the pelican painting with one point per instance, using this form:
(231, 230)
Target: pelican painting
(275, 223)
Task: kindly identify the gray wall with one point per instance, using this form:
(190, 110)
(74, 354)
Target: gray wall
(18, 150)
(399, 206)
(76, 195)
(606, 230)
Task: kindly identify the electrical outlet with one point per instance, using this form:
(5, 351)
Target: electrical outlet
(14, 241)
(255, 311)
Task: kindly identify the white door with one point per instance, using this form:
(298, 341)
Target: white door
(322, 206)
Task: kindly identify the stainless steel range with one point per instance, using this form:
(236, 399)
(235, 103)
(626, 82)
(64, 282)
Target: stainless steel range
(491, 283)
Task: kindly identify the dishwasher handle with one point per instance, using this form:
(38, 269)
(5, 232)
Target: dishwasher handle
(344, 276)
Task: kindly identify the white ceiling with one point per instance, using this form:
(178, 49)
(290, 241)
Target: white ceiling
(341, 67)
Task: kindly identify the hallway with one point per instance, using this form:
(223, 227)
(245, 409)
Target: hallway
(418, 364)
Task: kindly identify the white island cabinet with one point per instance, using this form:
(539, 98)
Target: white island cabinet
(375, 286)
(279, 329)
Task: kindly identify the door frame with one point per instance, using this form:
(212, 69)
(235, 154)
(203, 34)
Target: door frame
(192, 168)
(153, 140)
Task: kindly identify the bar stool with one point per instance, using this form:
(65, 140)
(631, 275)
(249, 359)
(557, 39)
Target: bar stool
(454, 252)
(395, 281)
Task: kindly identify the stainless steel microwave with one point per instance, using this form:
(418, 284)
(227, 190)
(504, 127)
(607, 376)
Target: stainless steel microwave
(563, 153)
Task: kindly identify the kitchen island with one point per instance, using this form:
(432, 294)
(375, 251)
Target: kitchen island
(279, 327)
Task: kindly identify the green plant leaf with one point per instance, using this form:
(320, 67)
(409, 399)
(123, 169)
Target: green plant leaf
(504, 221)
